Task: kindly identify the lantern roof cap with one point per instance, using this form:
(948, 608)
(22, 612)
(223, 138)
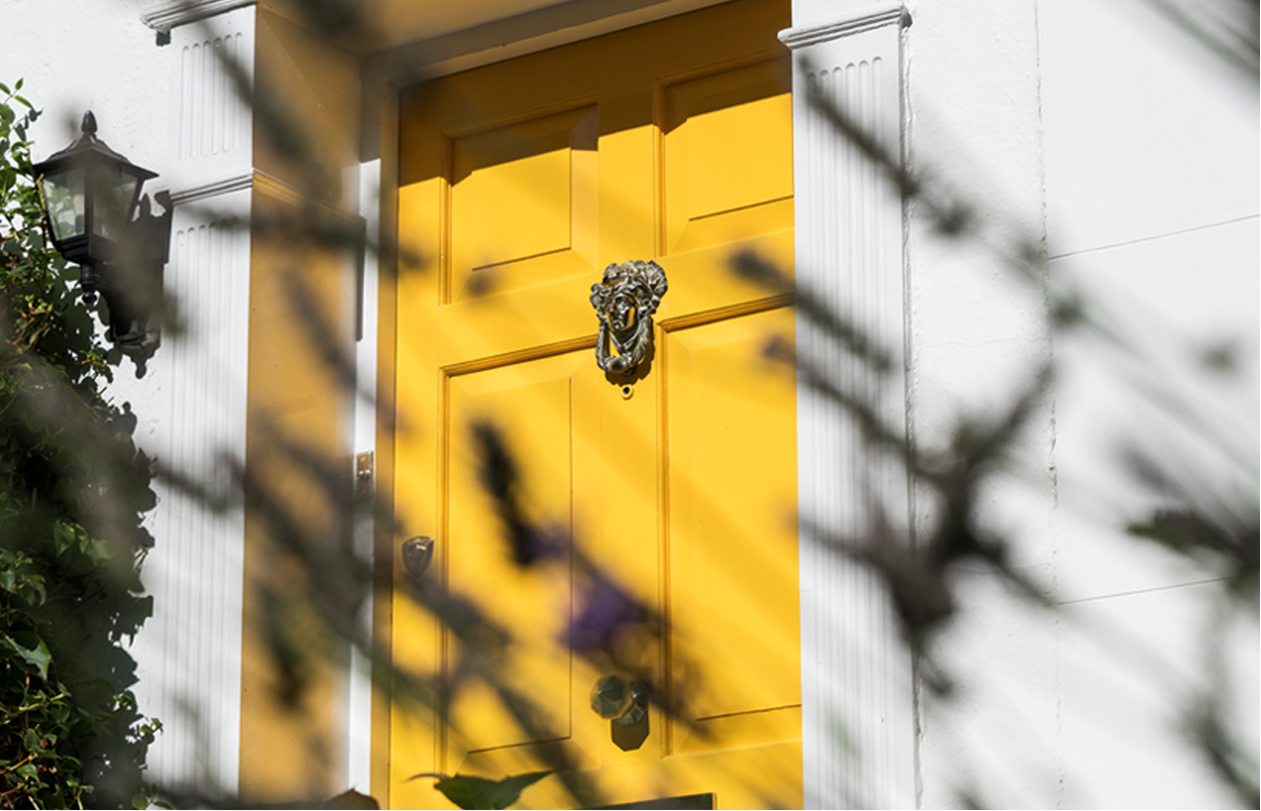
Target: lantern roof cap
(85, 145)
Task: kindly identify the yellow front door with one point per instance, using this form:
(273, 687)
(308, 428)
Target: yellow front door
(587, 523)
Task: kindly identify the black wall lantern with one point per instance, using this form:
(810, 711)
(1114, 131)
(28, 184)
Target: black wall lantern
(90, 195)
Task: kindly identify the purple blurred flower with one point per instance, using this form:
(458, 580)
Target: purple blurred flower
(606, 610)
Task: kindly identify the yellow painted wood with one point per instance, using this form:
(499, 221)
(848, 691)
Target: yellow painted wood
(415, 638)
(708, 121)
(534, 405)
(521, 195)
(519, 182)
(287, 723)
(732, 529)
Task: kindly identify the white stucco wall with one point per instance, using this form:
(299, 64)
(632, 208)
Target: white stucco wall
(1109, 133)
(978, 338)
(78, 56)
(1152, 200)
(189, 396)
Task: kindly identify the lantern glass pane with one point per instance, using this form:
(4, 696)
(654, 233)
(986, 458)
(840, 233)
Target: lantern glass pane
(115, 194)
(64, 196)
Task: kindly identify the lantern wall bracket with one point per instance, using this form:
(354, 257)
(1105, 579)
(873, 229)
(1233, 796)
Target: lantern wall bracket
(96, 218)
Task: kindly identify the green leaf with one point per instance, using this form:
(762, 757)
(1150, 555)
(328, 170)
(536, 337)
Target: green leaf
(140, 802)
(98, 549)
(34, 583)
(34, 652)
(63, 536)
(477, 792)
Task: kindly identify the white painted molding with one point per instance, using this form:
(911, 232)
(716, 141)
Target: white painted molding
(259, 181)
(857, 687)
(213, 188)
(164, 17)
(861, 17)
(278, 189)
(358, 696)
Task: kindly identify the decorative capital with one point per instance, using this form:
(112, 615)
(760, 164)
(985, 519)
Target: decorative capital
(165, 16)
(858, 17)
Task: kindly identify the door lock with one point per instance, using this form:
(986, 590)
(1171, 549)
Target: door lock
(626, 707)
(417, 554)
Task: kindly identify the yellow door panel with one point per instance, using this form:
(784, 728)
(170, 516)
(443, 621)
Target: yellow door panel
(727, 156)
(755, 777)
(702, 282)
(673, 488)
(732, 534)
(521, 193)
(531, 405)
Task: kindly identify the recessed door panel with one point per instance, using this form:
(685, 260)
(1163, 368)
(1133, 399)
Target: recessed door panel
(732, 529)
(727, 155)
(523, 203)
(525, 607)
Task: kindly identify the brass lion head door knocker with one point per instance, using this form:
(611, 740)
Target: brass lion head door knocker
(625, 301)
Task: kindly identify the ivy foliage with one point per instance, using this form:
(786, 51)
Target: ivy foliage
(73, 490)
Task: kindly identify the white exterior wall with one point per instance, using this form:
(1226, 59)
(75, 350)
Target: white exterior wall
(1100, 129)
(80, 56)
(169, 108)
(190, 653)
(978, 337)
(1152, 202)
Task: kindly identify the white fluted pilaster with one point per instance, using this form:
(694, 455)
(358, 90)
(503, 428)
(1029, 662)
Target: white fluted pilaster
(858, 719)
(189, 652)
